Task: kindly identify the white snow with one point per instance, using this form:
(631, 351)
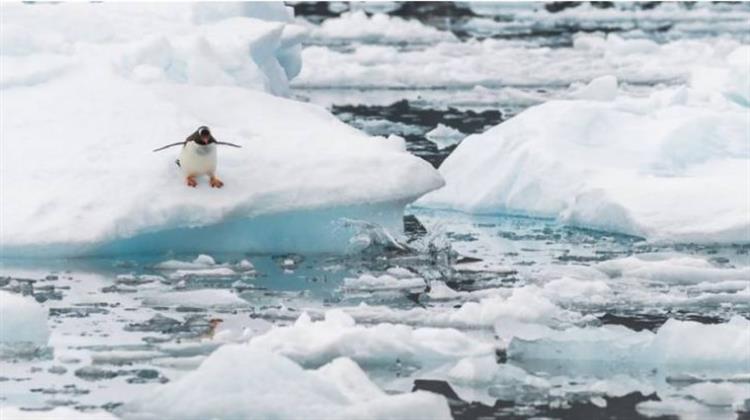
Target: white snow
(671, 167)
(237, 381)
(22, 320)
(315, 343)
(126, 91)
(444, 136)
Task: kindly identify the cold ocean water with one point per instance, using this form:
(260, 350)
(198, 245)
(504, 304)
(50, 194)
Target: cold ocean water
(507, 316)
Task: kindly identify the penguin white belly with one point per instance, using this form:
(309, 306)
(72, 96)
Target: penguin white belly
(196, 159)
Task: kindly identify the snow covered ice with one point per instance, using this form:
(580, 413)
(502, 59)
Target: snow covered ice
(128, 90)
(439, 210)
(667, 167)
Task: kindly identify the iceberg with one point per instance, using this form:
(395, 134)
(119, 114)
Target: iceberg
(239, 382)
(84, 107)
(671, 167)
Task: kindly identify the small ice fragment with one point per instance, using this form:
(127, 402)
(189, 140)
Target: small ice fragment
(444, 136)
(602, 88)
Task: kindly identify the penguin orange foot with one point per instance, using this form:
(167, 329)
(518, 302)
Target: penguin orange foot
(216, 182)
(191, 181)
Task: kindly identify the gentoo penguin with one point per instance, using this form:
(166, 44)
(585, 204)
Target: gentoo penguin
(198, 157)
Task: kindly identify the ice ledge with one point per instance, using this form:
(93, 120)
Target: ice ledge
(313, 231)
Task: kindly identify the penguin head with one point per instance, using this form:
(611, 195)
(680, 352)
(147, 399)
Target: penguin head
(204, 135)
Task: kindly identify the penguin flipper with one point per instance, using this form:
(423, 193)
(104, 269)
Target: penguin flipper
(168, 146)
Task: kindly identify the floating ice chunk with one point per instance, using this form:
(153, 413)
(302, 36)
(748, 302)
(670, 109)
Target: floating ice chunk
(202, 261)
(240, 382)
(684, 180)
(682, 408)
(245, 265)
(203, 272)
(722, 286)
(676, 342)
(602, 88)
(719, 394)
(731, 80)
(568, 289)
(444, 136)
(350, 380)
(440, 291)
(383, 282)
(23, 320)
(378, 28)
(503, 63)
(485, 266)
(205, 298)
(238, 61)
(526, 303)
(673, 269)
(620, 385)
(474, 370)
(400, 272)
(316, 343)
(58, 413)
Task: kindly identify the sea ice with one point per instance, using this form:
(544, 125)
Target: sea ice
(204, 298)
(58, 413)
(673, 167)
(23, 320)
(685, 343)
(238, 381)
(127, 91)
(444, 136)
(315, 343)
(673, 269)
(495, 63)
(383, 282)
(377, 28)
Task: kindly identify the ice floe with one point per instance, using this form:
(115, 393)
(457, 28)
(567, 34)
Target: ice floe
(444, 136)
(58, 413)
(494, 63)
(672, 167)
(237, 381)
(377, 28)
(126, 88)
(383, 282)
(204, 298)
(317, 342)
(676, 269)
(24, 321)
(685, 343)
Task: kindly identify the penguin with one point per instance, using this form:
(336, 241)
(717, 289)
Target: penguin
(198, 157)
